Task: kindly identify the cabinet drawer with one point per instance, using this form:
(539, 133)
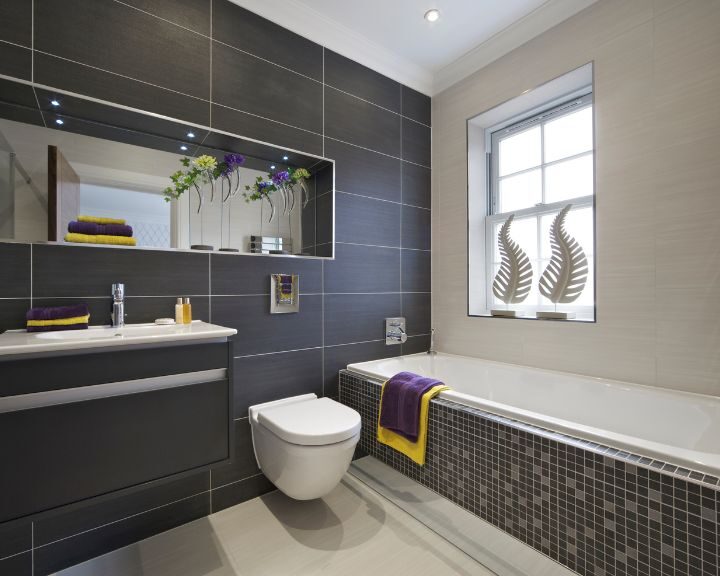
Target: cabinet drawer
(68, 445)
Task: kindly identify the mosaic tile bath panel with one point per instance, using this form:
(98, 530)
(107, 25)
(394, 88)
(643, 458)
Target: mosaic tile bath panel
(597, 511)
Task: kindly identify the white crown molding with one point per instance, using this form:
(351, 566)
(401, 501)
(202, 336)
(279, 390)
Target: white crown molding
(317, 27)
(549, 14)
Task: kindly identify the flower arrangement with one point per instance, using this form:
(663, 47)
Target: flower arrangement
(202, 170)
(282, 181)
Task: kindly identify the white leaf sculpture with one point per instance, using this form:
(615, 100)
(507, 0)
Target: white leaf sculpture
(514, 279)
(564, 278)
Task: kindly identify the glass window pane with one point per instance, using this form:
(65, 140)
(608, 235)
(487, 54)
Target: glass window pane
(568, 135)
(521, 191)
(569, 179)
(519, 152)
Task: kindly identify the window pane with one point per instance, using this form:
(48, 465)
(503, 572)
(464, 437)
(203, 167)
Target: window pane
(569, 179)
(519, 152)
(568, 135)
(524, 232)
(521, 191)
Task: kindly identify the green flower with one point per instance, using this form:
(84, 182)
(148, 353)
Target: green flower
(300, 173)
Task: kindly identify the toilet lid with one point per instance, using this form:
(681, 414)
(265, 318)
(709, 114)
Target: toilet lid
(311, 423)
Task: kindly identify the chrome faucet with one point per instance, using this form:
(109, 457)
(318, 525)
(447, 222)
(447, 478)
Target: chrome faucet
(432, 350)
(118, 306)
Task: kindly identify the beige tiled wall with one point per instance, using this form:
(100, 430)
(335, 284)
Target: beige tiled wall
(657, 93)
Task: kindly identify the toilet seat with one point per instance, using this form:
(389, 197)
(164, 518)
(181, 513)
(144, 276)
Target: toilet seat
(311, 422)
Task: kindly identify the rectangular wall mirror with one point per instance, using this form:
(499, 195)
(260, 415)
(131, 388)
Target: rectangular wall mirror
(75, 170)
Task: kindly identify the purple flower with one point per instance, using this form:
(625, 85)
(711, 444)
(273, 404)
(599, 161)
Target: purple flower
(234, 160)
(281, 177)
(262, 185)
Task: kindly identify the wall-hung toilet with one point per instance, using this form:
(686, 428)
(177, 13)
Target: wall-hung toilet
(304, 444)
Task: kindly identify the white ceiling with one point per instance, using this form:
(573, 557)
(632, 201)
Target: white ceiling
(392, 37)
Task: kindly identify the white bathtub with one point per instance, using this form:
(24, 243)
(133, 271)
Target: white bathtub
(676, 427)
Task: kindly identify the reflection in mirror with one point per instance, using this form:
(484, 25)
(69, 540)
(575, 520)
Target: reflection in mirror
(97, 180)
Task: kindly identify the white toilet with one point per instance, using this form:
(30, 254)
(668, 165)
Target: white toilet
(304, 444)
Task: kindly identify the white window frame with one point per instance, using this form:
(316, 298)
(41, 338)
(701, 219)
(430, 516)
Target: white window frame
(494, 136)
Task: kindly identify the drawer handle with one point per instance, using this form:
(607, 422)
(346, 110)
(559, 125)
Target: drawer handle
(84, 393)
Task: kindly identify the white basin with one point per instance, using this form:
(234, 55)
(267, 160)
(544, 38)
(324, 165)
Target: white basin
(22, 342)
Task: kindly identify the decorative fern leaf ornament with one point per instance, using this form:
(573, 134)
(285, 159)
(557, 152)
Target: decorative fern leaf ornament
(514, 279)
(564, 277)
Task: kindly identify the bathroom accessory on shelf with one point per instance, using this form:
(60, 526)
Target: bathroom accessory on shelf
(284, 293)
(563, 280)
(514, 279)
(50, 318)
(395, 331)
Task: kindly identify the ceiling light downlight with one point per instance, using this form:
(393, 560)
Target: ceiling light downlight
(432, 15)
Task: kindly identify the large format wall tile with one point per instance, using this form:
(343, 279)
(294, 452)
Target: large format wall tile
(364, 172)
(349, 76)
(260, 332)
(82, 79)
(416, 144)
(235, 275)
(16, 22)
(83, 271)
(15, 537)
(416, 270)
(19, 565)
(282, 96)
(416, 308)
(116, 38)
(245, 124)
(247, 31)
(363, 269)
(243, 463)
(416, 185)
(338, 357)
(15, 266)
(416, 105)
(270, 377)
(382, 220)
(12, 313)
(358, 317)
(415, 228)
(192, 14)
(15, 61)
(352, 120)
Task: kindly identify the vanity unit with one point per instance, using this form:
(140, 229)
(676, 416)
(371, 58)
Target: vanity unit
(84, 414)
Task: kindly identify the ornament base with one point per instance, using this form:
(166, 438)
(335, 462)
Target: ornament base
(206, 247)
(507, 313)
(555, 315)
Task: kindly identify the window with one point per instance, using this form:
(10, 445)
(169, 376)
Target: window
(537, 166)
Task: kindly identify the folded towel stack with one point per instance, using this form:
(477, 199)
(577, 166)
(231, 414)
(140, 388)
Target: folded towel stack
(97, 230)
(47, 319)
(404, 411)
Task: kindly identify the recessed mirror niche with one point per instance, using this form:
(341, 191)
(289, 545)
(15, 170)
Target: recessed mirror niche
(85, 172)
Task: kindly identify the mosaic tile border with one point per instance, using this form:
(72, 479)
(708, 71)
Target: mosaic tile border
(584, 505)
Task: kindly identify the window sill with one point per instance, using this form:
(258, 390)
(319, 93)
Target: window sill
(531, 316)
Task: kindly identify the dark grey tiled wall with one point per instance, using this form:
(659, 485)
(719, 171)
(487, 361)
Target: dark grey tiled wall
(270, 84)
(598, 511)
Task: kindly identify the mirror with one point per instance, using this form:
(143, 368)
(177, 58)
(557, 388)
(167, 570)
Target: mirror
(74, 170)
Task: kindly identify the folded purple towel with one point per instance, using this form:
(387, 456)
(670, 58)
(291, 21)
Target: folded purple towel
(402, 395)
(57, 312)
(100, 229)
(83, 326)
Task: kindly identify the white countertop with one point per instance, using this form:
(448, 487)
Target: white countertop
(21, 342)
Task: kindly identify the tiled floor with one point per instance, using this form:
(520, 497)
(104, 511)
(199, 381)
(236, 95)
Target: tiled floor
(352, 531)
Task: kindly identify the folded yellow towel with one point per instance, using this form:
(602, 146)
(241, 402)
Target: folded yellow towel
(100, 220)
(60, 321)
(99, 239)
(413, 450)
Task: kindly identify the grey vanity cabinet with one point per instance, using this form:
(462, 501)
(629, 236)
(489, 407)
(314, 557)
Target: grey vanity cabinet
(83, 435)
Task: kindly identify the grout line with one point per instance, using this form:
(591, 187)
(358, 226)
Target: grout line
(267, 119)
(211, 487)
(210, 70)
(17, 553)
(165, 19)
(322, 321)
(32, 544)
(278, 352)
(210, 288)
(238, 481)
(378, 152)
(323, 106)
(377, 105)
(378, 199)
(401, 214)
(31, 275)
(265, 294)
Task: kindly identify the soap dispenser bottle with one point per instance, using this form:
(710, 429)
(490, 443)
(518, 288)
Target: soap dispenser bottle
(187, 311)
(179, 312)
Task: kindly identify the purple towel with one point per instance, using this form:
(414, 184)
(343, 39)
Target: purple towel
(57, 312)
(97, 229)
(400, 410)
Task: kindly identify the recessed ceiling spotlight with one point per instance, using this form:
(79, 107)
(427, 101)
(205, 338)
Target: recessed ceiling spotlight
(59, 122)
(432, 15)
(285, 158)
(190, 135)
(55, 102)
(183, 148)
(272, 167)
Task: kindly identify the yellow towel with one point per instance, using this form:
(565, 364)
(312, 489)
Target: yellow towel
(100, 220)
(60, 321)
(99, 239)
(413, 450)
